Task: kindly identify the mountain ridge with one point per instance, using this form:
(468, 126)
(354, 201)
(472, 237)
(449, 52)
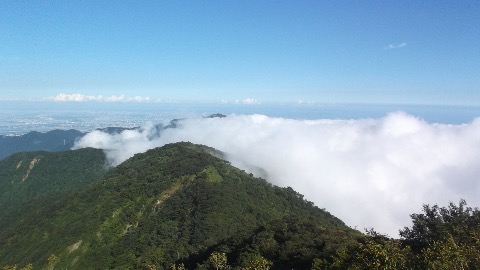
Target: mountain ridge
(174, 204)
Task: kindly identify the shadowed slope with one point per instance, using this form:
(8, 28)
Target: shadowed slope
(29, 175)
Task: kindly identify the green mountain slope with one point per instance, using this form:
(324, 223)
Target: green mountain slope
(175, 204)
(29, 175)
(55, 140)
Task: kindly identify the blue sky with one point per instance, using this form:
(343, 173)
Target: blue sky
(415, 52)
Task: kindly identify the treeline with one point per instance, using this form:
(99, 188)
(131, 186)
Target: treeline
(440, 238)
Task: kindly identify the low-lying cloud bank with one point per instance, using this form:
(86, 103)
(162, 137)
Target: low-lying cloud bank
(369, 172)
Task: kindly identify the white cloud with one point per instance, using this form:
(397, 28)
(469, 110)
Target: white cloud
(368, 172)
(396, 46)
(115, 98)
(139, 99)
(77, 97)
(247, 101)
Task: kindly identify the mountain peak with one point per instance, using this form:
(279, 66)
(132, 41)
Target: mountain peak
(173, 204)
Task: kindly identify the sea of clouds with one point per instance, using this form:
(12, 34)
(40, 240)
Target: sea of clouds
(368, 172)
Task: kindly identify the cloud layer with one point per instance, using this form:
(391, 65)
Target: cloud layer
(368, 172)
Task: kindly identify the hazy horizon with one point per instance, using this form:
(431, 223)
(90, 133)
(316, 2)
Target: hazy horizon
(20, 117)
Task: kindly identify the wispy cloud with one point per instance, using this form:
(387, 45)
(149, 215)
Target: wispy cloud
(247, 101)
(396, 46)
(77, 97)
(139, 99)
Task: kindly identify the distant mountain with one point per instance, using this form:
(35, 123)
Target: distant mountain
(55, 140)
(178, 204)
(115, 130)
(216, 115)
(52, 141)
(30, 175)
(61, 140)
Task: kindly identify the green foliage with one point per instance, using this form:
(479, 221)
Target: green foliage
(218, 260)
(182, 207)
(171, 206)
(445, 237)
(27, 176)
(446, 254)
(52, 260)
(440, 238)
(436, 223)
(174, 266)
(258, 263)
(14, 267)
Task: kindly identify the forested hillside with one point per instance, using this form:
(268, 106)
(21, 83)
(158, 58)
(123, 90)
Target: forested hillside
(173, 205)
(30, 175)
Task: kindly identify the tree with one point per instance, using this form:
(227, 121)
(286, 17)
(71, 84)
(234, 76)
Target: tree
(14, 267)
(438, 223)
(258, 263)
(27, 267)
(445, 237)
(174, 266)
(52, 259)
(445, 255)
(218, 260)
(374, 251)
